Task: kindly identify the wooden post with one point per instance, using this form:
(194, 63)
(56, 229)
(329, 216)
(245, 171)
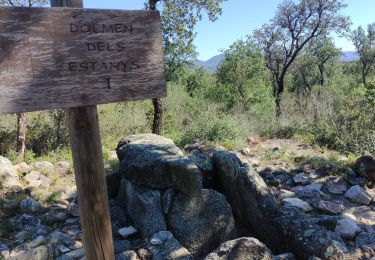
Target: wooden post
(89, 174)
(91, 186)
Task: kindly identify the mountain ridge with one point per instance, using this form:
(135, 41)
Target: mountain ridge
(212, 63)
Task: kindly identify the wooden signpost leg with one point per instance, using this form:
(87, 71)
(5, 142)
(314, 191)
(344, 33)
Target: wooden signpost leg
(91, 186)
(89, 174)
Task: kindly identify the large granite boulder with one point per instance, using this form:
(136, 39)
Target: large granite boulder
(245, 248)
(252, 201)
(156, 162)
(305, 238)
(8, 174)
(201, 224)
(143, 206)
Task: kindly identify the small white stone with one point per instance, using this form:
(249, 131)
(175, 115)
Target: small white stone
(127, 231)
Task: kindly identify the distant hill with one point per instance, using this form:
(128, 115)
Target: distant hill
(212, 64)
(349, 56)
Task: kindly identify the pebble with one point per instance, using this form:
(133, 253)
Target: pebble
(295, 202)
(358, 195)
(331, 207)
(308, 191)
(30, 205)
(347, 228)
(160, 237)
(58, 236)
(283, 194)
(63, 249)
(33, 179)
(337, 186)
(37, 241)
(301, 178)
(127, 231)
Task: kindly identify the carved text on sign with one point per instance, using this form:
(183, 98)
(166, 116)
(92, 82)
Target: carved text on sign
(57, 58)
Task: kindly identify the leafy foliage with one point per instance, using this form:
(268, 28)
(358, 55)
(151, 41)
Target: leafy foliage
(293, 27)
(365, 46)
(242, 73)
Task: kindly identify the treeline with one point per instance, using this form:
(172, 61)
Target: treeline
(284, 80)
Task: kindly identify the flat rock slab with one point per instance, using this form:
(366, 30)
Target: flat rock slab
(156, 162)
(201, 224)
(144, 207)
(252, 201)
(305, 238)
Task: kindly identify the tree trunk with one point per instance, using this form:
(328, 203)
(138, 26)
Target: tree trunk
(278, 105)
(157, 126)
(364, 76)
(21, 135)
(277, 93)
(321, 72)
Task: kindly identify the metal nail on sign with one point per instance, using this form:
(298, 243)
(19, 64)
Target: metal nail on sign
(59, 57)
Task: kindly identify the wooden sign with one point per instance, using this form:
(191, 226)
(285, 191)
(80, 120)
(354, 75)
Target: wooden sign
(61, 57)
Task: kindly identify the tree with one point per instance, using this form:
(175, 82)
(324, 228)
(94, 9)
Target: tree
(198, 80)
(21, 117)
(294, 25)
(311, 66)
(365, 46)
(323, 49)
(242, 71)
(179, 18)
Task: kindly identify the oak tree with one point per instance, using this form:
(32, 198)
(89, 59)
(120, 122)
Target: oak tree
(323, 49)
(364, 43)
(242, 70)
(295, 24)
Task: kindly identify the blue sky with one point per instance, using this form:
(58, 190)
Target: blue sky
(240, 18)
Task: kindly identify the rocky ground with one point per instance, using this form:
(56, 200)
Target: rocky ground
(273, 197)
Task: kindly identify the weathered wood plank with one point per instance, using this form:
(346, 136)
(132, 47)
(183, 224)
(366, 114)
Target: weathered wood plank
(58, 58)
